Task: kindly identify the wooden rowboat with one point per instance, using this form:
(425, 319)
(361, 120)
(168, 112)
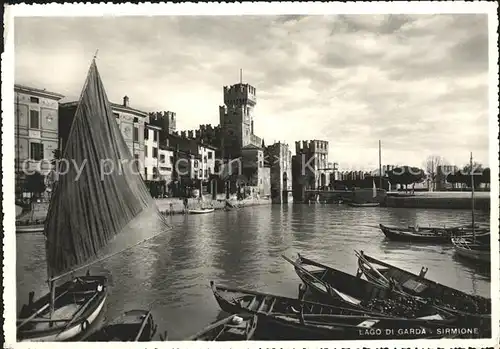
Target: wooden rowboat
(132, 326)
(476, 251)
(330, 285)
(471, 308)
(282, 318)
(29, 228)
(77, 304)
(201, 211)
(430, 235)
(232, 328)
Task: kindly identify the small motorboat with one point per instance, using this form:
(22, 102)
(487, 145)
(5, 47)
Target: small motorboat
(475, 251)
(233, 328)
(470, 307)
(77, 303)
(365, 204)
(282, 318)
(201, 211)
(131, 326)
(332, 286)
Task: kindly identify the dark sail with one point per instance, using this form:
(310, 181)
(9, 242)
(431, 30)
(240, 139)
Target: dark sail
(88, 209)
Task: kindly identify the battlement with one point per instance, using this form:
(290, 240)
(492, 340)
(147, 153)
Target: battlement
(167, 120)
(240, 94)
(311, 146)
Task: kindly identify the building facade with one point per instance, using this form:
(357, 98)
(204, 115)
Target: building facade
(36, 132)
(314, 166)
(279, 158)
(152, 153)
(130, 121)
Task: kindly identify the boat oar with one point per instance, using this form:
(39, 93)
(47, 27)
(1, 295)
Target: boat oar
(32, 316)
(142, 326)
(361, 257)
(80, 311)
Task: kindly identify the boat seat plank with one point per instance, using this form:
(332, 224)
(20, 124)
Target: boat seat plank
(272, 305)
(263, 303)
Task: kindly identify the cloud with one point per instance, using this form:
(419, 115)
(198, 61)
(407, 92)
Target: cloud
(417, 82)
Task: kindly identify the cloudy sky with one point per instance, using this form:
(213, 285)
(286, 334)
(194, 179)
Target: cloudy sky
(418, 83)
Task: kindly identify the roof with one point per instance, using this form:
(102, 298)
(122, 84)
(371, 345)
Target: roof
(251, 147)
(114, 106)
(37, 91)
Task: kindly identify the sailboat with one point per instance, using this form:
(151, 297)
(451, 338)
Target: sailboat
(88, 212)
(471, 248)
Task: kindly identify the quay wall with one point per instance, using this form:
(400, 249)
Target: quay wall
(440, 200)
(193, 204)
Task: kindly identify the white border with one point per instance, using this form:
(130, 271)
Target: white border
(9, 246)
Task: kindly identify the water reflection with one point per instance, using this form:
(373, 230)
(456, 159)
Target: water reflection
(170, 274)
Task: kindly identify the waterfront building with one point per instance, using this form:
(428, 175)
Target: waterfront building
(131, 122)
(207, 156)
(254, 174)
(151, 153)
(279, 158)
(36, 131)
(237, 119)
(314, 160)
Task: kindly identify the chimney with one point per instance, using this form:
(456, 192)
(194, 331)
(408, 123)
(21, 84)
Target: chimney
(125, 101)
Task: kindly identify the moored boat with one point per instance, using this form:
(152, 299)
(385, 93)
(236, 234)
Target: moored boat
(236, 327)
(131, 326)
(77, 303)
(285, 318)
(471, 308)
(29, 228)
(429, 235)
(330, 285)
(365, 204)
(201, 211)
(475, 251)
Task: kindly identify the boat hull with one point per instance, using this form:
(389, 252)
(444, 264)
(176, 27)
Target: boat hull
(27, 229)
(472, 310)
(368, 204)
(132, 326)
(466, 250)
(326, 323)
(208, 210)
(225, 330)
(73, 327)
(429, 235)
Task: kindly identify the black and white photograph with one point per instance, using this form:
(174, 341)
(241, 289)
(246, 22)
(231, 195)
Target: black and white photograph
(260, 172)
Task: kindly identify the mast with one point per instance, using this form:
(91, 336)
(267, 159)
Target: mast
(241, 76)
(472, 197)
(380, 163)
(17, 127)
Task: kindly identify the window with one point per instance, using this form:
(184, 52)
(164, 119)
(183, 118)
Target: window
(136, 156)
(162, 157)
(201, 173)
(195, 163)
(210, 155)
(136, 120)
(146, 133)
(34, 119)
(146, 151)
(155, 152)
(260, 163)
(155, 172)
(136, 134)
(36, 151)
(206, 173)
(145, 173)
(205, 159)
(34, 100)
(116, 115)
(155, 136)
(171, 159)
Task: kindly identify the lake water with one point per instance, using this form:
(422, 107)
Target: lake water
(171, 272)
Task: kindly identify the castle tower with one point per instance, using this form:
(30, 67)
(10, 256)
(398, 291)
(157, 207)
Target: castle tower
(237, 118)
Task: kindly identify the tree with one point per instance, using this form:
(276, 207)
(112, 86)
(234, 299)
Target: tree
(405, 175)
(431, 165)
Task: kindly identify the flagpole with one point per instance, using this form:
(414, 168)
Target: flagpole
(380, 163)
(472, 197)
